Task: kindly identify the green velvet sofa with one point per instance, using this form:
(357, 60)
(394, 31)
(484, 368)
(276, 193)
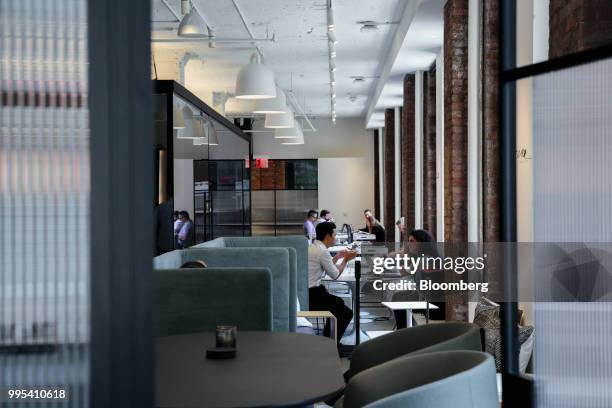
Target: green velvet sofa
(197, 300)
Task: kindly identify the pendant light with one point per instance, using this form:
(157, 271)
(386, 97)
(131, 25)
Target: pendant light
(296, 141)
(255, 81)
(189, 130)
(239, 107)
(213, 138)
(280, 120)
(272, 106)
(289, 133)
(178, 122)
(192, 25)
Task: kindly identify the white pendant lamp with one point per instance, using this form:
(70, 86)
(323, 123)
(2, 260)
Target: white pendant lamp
(280, 120)
(296, 141)
(289, 133)
(189, 130)
(192, 25)
(178, 122)
(198, 128)
(255, 81)
(235, 106)
(272, 106)
(213, 138)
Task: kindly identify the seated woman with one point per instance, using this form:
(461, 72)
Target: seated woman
(373, 226)
(420, 242)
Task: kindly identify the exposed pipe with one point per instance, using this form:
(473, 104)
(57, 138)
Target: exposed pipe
(297, 106)
(217, 39)
(246, 25)
(165, 3)
(188, 56)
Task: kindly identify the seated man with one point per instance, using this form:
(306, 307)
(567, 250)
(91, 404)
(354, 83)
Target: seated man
(321, 263)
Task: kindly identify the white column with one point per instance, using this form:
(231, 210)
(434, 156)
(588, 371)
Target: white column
(381, 175)
(540, 30)
(440, 146)
(418, 149)
(397, 145)
(473, 142)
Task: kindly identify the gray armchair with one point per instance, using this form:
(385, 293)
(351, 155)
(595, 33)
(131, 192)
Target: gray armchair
(448, 379)
(415, 340)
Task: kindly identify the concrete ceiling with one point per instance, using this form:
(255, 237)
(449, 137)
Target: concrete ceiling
(299, 56)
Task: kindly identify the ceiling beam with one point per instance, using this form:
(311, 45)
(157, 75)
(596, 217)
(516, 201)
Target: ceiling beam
(408, 14)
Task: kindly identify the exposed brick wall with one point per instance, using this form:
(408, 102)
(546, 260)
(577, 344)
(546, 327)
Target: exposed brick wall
(407, 143)
(376, 174)
(490, 122)
(389, 178)
(577, 25)
(429, 150)
(455, 136)
(455, 119)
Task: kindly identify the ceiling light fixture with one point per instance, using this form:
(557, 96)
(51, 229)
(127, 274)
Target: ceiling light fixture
(280, 120)
(332, 37)
(331, 26)
(178, 121)
(289, 133)
(255, 81)
(294, 141)
(272, 106)
(211, 133)
(192, 25)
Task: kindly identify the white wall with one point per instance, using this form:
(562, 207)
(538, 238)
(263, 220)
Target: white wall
(348, 191)
(183, 185)
(346, 164)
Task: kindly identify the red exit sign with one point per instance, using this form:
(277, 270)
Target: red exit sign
(260, 163)
(256, 163)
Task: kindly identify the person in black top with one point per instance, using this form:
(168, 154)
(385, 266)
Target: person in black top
(421, 242)
(373, 226)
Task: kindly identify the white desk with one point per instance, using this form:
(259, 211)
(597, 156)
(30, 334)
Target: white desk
(409, 307)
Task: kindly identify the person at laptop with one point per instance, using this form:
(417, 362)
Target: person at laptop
(324, 216)
(420, 242)
(321, 263)
(373, 226)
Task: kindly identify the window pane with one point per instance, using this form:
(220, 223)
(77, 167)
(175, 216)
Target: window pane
(44, 197)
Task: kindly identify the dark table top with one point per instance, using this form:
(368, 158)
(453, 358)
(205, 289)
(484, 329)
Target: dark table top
(270, 369)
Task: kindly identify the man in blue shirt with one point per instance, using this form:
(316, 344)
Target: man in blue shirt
(185, 233)
(309, 228)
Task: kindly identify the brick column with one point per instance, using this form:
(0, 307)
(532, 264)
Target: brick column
(490, 122)
(377, 136)
(455, 137)
(389, 177)
(455, 119)
(429, 150)
(407, 153)
(577, 25)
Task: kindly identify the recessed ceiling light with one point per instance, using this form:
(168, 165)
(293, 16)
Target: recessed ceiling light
(369, 27)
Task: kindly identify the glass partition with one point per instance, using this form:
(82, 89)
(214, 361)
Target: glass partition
(201, 164)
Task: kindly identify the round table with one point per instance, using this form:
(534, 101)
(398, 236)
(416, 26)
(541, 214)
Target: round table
(270, 369)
